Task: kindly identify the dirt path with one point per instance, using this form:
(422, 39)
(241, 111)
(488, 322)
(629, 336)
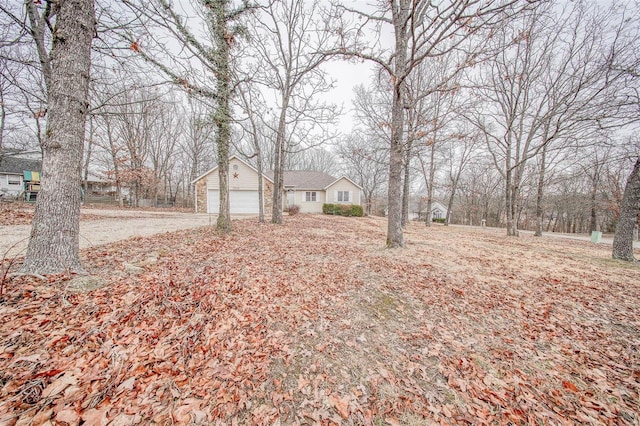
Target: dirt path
(117, 225)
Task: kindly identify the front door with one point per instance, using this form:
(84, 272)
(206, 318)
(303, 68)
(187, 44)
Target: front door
(291, 198)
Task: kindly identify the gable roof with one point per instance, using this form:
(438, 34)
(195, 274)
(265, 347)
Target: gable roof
(435, 205)
(16, 166)
(265, 175)
(345, 178)
(304, 179)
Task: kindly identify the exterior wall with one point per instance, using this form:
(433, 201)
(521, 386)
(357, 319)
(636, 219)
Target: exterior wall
(201, 196)
(308, 206)
(12, 190)
(246, 179)
(343, 185)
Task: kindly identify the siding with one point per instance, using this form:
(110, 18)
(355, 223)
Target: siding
(10, 189)
(309, 206)
(343, 185)
(247, 178)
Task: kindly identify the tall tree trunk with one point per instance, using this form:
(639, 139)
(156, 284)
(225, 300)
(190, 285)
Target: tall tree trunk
(54, 243)
(540, 192)
(454, 187)
(87, 159)
(432, 176)
(623, 238)
(278, 178)
(223, 113)
(593, 217)
(406, 187)
(394, 200)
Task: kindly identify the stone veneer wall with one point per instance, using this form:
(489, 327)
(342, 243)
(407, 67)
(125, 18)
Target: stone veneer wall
(201, 195)
(267, 189)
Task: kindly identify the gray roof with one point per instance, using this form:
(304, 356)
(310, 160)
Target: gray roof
(303, 179)
(16, 166)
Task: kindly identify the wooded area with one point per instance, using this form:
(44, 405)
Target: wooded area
(513, 113)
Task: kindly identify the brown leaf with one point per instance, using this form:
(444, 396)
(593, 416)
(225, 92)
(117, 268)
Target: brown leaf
(570, 386)
(60, 384)
(340, 404)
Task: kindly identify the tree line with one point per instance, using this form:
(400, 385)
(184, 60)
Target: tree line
(536, 101)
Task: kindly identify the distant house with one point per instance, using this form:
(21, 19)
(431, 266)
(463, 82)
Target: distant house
(438, 211)
(309, 190)
(17, 173)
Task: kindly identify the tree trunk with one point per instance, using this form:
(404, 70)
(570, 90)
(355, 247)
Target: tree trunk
(454, 187)
(54, 243)
(623, 239)
(405, 190)
(87, 159)
(432, 175)
(260, 187)
(400, 11)
(223, 113)
(540, 193)
(278, 171)
(593, 220)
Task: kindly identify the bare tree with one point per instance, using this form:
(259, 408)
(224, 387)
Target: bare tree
(251, 106)
(421, 30)
(211, 77)
(545, 83)
(463, 145)
(54, 243)
(291, 51)
(365, 160)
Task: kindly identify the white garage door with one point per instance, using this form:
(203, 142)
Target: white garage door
(240, 202)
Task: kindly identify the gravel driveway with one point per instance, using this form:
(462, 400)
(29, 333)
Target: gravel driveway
(117, 225)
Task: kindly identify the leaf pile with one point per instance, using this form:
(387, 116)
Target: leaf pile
(314, 322)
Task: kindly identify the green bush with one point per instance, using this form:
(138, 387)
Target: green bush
(438, 220)
(343, 209)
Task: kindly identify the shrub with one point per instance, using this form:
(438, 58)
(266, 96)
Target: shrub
(438, 220)
(343, 209)
(294, 210)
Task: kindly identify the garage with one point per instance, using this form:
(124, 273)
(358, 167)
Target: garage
(240, 202)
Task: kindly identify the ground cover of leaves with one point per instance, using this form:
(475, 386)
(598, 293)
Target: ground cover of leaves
(315, 322)
(19, 213)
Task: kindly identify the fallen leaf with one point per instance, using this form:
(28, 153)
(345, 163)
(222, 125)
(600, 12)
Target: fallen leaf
(340, 404)
(60, 384)
(570, 386)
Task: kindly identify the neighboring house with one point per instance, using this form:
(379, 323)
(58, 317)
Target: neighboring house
(309, 190)
(438, 211)
(99, 185)
(12, 173)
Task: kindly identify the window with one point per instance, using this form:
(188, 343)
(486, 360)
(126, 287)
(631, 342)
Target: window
(13, 180)
(311, 196)
(343, 196)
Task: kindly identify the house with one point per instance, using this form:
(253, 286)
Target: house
(16, 172)
(438, 211)
(309, 190)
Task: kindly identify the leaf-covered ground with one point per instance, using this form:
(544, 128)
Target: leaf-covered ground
(18, 213)
(314, 322)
